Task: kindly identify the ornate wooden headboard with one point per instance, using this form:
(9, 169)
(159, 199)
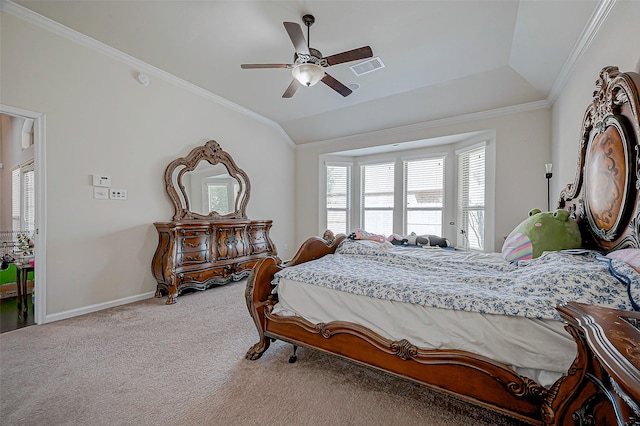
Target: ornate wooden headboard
(604, 196)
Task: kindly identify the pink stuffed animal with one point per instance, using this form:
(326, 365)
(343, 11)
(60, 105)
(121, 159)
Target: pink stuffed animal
(361, 234)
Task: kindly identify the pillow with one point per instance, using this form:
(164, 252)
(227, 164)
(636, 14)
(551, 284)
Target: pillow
(629, 256)
(540, 232)
(516, 247)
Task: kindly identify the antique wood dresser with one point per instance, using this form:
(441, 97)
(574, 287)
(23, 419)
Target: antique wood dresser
(210, 240)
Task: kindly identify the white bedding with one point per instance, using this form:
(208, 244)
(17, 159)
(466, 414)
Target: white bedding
(476, 282)
(380, 293)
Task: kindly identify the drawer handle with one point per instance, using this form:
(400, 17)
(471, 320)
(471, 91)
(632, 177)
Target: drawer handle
(192, 258)
(193, 245)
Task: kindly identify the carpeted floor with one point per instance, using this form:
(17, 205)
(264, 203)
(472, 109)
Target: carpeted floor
(150, 364)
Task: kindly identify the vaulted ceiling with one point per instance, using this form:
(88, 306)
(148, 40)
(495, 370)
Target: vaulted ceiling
(441, 58)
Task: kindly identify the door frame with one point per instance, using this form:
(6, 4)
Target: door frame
(39, 160)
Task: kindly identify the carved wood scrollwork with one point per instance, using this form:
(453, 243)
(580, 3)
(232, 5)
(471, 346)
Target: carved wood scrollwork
(527, 387)
(404, 349)
(609, 159)
(606, 180)
(177, 189)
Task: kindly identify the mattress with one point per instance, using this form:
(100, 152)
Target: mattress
(536, 348)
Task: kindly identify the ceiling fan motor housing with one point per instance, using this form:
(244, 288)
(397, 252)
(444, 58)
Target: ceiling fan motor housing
(315, 57)
(308, 63)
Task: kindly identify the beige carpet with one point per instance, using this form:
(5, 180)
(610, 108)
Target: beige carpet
(150, 364)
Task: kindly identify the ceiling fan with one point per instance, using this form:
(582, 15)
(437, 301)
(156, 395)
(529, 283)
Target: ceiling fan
(308, 63)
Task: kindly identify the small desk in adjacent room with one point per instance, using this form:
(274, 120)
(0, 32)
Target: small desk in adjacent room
(22, 271)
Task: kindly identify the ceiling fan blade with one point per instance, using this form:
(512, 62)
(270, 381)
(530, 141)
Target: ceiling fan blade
(257, 66)
(297, 37)
(336, 85)
(291, 90)
(350, 55)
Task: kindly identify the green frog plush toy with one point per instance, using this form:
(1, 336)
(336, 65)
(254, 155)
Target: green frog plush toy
(541, 231)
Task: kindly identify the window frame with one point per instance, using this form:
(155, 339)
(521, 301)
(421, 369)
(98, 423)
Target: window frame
(404, 161)
(463, 208)
(349, 193)
(361, 188)
(24, 206)
(231, 188)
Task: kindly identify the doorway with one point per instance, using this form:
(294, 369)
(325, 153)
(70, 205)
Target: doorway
(22, 177)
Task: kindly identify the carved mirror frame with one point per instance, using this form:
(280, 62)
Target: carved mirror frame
(213, 154)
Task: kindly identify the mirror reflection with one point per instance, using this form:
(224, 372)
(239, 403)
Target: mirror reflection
(209, 188)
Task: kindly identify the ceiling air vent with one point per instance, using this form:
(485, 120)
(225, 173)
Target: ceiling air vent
(367, 66)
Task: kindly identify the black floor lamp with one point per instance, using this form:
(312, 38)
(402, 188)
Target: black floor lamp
(548, 175)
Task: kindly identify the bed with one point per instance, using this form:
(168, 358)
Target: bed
(483, 334)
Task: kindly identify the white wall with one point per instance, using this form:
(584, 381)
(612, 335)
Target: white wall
(617, 43)
(99, 119)
(522, 149)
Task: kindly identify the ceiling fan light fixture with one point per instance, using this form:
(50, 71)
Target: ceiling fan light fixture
(308, 74)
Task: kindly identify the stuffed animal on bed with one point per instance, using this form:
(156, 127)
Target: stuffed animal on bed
(397, 240)
(541, 231)
(427, 240)
(361, 234)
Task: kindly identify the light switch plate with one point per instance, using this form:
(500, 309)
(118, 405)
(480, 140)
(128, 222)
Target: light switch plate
(102, 181)
(101, 193)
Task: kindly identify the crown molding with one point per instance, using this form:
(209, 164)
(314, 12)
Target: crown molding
(588, 34)
(95, 45)
(417, 127)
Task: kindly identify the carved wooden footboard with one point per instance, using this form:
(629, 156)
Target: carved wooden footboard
(469, 376)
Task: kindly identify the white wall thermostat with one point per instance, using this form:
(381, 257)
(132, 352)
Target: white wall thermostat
(102, 181)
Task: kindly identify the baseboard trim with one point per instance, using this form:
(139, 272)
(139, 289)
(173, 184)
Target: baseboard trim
(97, 307)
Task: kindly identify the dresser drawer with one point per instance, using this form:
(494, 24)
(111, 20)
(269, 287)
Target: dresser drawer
(193, 240)
(245, 267)
(258, 240)
(194, 243)
(202, 276)
(191, 257)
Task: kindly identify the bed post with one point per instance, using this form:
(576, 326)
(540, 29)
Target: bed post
(564, 396)
(258, 295)
(258, 291)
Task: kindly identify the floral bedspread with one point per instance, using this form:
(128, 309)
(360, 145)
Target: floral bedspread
(479, 282)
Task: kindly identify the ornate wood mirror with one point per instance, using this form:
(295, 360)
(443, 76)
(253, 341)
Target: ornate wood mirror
(207, 184)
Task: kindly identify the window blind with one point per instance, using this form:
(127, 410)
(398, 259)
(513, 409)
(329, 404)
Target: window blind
(29, 200)
(377, 197)
(338, 195)
(471, 197)
(15, 199)
(424, 195)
